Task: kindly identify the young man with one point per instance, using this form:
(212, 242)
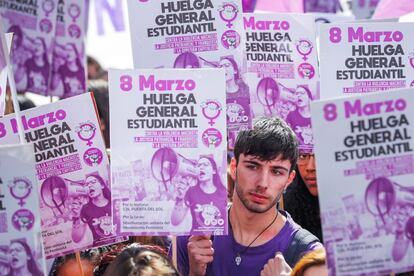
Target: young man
(301, 198)
(260, 235)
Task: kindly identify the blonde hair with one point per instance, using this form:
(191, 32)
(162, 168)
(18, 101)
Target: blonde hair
(314, 258)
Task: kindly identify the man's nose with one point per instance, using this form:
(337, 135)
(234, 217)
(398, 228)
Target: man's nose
(264, 179)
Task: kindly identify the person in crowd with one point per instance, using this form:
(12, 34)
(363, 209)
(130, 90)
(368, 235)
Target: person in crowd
(96, 214)
(312, 264)
(70, 72)
(136, 259)
(95, 70)
(207, 199)
(300, 119)
(301, 198)
(262, 167)
(99, 88)
(21, 260)
(68, 265)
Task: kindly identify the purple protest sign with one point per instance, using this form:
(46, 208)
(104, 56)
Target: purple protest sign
(115, 13)
(73, 173)
(20, 241)
(369, 57)
(68, 76)
(168, 151)
(365, 172)
(282, 69)
(159, 29)
(33, 26)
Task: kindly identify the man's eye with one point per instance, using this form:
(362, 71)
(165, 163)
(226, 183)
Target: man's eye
(253, 167)
(277, 172)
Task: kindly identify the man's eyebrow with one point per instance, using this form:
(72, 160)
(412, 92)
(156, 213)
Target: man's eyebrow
(253, 162)
(280, 168)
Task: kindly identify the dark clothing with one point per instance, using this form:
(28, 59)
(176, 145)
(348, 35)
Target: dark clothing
(303, 207)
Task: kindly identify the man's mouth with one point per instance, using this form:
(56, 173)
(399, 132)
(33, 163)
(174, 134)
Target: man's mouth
(258, 198)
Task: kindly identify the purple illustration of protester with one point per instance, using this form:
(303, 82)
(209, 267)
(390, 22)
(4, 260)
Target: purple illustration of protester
(96, 214)
(235, 86)
(31, 66)
(38, 68)
(68, 74)
(300, 119)
(268, 94)
(187, 60)
(21, 259)
(207, 200)
(392, 205)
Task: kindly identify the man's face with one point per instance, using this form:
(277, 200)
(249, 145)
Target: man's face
(307, 169)
(259, 183)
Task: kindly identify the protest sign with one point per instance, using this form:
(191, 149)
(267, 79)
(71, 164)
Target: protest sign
(168, 151)
(365, 172)
(282, 69)
(68, 75)
(358, 58)
(4, 52)
(20, 242)
(194, 34)
(73, 172)
(33, 26)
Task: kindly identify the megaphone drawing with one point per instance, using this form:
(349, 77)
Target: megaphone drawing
(391, 202)
(56, 190)
(166, 164)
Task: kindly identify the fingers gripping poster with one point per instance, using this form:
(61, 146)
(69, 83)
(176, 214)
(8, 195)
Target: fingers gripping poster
(282, 69)
(359, 58)
(194, 34)
(365, 180)
(20, 241)
(168, 151)
(73, 173)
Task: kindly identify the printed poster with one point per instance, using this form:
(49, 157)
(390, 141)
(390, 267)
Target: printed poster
(20, 241)
(194, 34)
(68, 76)
(73, 173)
(33, 25)
(359, 58)
(168, 151)
(282, 66)
(365, 180)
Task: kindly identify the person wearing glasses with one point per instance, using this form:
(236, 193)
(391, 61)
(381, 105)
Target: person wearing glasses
(301, 198)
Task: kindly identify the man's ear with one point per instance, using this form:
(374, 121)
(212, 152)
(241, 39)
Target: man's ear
(292, 175)
(233, 167)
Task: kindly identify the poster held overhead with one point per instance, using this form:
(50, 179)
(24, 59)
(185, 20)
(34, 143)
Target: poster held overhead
(168, 151)
(359, 58)
(20, 240)
(365, 171)
(73, 171)
(282, 69)
(194, 34)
